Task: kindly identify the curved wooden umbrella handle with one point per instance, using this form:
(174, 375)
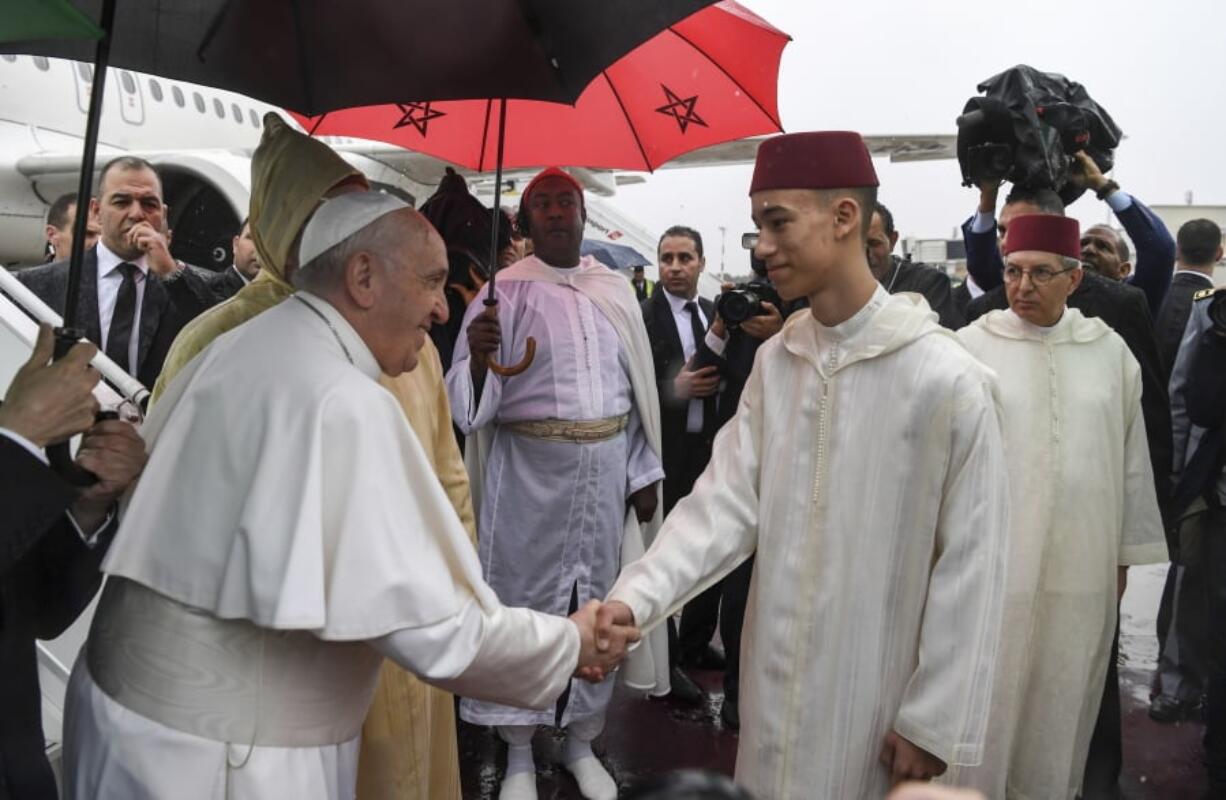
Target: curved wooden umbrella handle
(514, 369)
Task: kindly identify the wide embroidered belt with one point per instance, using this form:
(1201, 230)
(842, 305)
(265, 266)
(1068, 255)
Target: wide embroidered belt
(583, 431)
(227, 680)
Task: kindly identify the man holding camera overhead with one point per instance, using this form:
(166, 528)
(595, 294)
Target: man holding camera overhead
(1102, 248)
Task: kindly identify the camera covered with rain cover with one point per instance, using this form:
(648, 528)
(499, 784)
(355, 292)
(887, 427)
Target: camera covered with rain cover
(1026, 128)
(744, 301)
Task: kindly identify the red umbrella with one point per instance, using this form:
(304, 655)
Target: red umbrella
(710, 78)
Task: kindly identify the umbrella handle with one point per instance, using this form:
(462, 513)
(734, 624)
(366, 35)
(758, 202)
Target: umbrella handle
(514, 369)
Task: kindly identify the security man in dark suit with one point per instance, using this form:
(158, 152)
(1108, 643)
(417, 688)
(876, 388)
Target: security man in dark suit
(677, 320)
(52, 538)
(1179, 681)
(1102, 249)
(1198, 410)
(134, 296)
(899, 275)
(1198, 249)
(242, 271)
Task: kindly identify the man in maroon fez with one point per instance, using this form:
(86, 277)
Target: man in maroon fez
(862, 667)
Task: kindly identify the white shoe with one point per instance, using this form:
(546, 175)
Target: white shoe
(520, 786)
(594, 781)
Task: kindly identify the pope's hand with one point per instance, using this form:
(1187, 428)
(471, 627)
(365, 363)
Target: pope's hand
(908, 762)
(599, 654)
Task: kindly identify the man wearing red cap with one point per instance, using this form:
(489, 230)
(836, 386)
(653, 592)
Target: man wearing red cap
(564, 462)
(866, 468)
(1083, 508)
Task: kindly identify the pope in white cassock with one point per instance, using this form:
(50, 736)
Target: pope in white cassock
(1083, 505)
(561, 451)
(865, 466)
(287, 535)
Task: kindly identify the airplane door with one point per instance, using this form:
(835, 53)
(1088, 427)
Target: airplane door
(131, 100)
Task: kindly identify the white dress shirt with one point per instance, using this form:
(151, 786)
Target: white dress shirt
(681, 317)
(109, 281)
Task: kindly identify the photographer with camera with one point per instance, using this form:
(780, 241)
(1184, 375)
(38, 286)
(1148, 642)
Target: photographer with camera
(899, 275)
(1102, 249)
(677, 319)
(1198, 411)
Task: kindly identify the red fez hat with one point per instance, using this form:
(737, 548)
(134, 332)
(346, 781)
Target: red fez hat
(813, 160)
(1046, 233)
(552, 172)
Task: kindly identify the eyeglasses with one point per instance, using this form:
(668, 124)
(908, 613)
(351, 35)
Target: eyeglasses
(1039, 276)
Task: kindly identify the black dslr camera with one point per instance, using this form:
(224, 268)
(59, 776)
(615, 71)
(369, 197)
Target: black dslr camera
(744, 301)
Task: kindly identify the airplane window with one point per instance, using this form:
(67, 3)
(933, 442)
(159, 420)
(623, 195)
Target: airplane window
(155, 89)
(237, 112)
(84, 71)
(219, 108)
(9, 57)
(178, 95)
(42, 63)
(129, 85)
(199, 101)
(255, 121)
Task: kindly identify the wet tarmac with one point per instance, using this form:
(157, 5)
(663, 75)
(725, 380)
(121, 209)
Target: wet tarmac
(644, 737)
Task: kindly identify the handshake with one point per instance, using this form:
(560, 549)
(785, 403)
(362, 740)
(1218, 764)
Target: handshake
(606, 631)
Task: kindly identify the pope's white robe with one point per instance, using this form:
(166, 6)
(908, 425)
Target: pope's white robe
(552, 514)
(1082, 494)
(285, 488)
(865, 466)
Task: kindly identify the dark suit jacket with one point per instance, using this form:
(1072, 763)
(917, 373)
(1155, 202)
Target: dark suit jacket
(669, 358)
(962, 299)
(934, 285)
(1125, 310)
(1153, 262)
(225, 284)
(47, 578)
(167, 306)
(1173, 316)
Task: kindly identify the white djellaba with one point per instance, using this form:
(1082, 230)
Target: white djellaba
(865, 466)
(287, 534)
(1083, 504)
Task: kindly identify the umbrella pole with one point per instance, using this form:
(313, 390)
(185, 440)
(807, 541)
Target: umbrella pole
(102, 55)
(59, 455)
(491, 299)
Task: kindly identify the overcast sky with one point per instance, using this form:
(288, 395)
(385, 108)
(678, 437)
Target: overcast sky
(1159, 68)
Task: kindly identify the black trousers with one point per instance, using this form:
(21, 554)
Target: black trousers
(1106, 756)
(1182, 632)
(700, 617)
(1213, 547)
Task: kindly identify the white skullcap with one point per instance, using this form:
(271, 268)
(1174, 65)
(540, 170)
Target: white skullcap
(342, 216)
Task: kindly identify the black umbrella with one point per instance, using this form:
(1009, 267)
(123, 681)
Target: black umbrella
(315, 56)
